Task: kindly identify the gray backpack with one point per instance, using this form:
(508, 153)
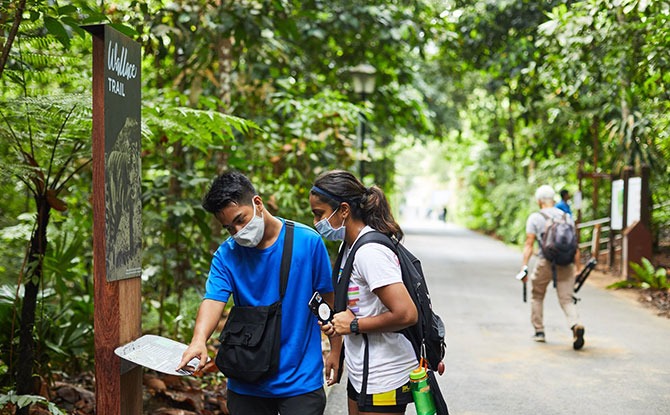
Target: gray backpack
(559, 240)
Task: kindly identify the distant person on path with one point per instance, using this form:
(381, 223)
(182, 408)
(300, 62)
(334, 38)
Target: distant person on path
(247, 265)
(443, 215)
(563, 203)
(536, 226)
(378, 304)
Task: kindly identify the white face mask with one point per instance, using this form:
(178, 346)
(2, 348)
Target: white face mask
(252, 233)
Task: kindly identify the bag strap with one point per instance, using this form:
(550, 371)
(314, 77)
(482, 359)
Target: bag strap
(440, 403)
(286, 258)
(341, 279)
(547, 225)
(341, 282)
(539, 242)
(366, 371)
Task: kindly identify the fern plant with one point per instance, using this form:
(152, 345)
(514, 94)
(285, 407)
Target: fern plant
(655, 279)
(645, 276)
(12, 400)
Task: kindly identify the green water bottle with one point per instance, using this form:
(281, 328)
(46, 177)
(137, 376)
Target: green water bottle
(423, 399)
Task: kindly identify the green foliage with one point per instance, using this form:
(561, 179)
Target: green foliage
(645, 276)
(507, 95)
(547, 88)
(200, 129)
(11, 399)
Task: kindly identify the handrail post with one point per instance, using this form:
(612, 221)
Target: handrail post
(595, 242)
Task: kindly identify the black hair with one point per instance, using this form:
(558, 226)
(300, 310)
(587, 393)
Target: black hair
(229, 187)
(564, 193)
(367, 204)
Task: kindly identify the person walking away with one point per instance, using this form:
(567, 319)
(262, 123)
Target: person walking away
(246, 266)
(378, 304)
(536, 226)
(563, 203)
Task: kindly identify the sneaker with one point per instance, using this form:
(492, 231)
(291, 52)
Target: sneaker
(577, 336)
(539, 337)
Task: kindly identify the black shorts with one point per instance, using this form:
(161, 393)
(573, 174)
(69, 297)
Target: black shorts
(394, 401)
(312, 403)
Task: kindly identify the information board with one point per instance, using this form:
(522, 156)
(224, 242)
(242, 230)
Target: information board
(123, 188)
(634, 202)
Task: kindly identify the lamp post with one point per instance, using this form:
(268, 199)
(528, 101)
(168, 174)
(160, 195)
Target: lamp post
(363, 76)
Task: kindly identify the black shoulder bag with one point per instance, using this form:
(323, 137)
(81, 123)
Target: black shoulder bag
(251, 338)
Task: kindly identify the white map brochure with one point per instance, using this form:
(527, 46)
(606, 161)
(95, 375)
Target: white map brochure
(157, 353)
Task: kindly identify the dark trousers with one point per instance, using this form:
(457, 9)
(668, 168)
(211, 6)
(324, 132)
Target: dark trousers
(312, 403)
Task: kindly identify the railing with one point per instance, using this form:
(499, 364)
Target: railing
(601, 235)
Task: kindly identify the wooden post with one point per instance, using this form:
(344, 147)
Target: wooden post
(624, 220)
(645, 198)
(580, 173)
(636, 245)
(596, 141)
(116, 217)
(595, 242)
(611, 247)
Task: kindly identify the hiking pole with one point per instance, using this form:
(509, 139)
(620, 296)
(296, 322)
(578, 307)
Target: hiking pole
(581, 277)
(520, 276)
(579, 281)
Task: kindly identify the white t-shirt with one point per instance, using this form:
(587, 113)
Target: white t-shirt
(391, 356)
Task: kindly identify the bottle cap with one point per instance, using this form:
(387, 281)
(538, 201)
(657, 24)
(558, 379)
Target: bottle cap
(418, 373)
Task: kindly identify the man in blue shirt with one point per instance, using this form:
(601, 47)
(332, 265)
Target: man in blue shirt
(563, 204)
(247, 265)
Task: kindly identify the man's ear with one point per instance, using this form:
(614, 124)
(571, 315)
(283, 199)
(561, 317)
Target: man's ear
(258, 201)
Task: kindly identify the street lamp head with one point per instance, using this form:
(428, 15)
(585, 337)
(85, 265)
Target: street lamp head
(363, 76)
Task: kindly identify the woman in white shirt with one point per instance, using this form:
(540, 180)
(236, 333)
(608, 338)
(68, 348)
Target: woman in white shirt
(378, 304)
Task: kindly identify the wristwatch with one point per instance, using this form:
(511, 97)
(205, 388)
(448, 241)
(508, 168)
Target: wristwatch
(353, 326)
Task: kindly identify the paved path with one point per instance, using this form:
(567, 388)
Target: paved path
(493, 366)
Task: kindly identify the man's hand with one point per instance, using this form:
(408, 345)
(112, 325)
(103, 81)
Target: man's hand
(523, 274)
(198, 350)
(332, 366)
(208, 317)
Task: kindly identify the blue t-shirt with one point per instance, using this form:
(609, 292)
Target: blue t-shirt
(563, 205)
(251, 275)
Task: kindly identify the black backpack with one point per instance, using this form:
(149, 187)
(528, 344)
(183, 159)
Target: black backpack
(559, 240)
(427, 335)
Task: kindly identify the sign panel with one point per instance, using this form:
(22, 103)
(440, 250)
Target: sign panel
(123, 205)
(577, 200)
(634, 202)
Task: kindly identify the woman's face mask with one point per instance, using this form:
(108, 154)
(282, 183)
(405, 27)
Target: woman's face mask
(326, 229)
(252, 233)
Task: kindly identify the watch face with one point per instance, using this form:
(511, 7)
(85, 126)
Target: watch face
(324, 312)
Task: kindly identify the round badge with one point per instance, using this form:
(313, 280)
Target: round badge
(324, 312)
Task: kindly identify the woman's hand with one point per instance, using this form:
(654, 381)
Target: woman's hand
(342, 321)
(327, 329)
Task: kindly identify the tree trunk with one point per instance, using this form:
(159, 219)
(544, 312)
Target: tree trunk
(18, 16)
(38, 242)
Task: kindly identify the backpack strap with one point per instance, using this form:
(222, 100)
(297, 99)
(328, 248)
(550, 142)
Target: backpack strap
(286, 258)
(341, 283)
(547, 218)
(366, 372)
(546, 227)
(342, 273)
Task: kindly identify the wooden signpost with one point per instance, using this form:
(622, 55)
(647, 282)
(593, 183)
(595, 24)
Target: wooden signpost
(117, 217)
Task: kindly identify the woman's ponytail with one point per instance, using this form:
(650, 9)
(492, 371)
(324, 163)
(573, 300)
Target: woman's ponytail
(376, 212)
